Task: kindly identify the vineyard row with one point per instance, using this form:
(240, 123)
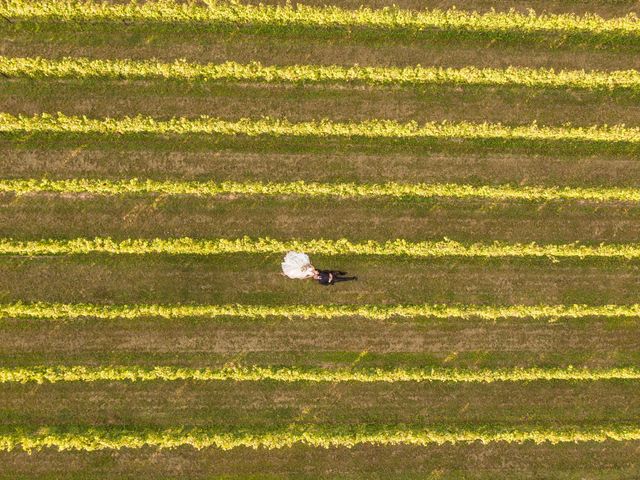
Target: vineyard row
(56, 374)
(181, 70)
(66, 311)
(312, 189)
(310, 20)
(92, 439)
(265, 126)
(266, 245)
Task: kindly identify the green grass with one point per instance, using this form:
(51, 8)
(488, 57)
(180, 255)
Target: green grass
(270, 404)
(467, 220)
(47, 161)
(214, 279)
(468, 359)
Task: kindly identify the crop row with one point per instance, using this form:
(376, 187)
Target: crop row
(370, 129)
(181, 70)
(92, 439)
(68, 311)
(312, 189)
(41, 374)
(299, 19)
(266, 245)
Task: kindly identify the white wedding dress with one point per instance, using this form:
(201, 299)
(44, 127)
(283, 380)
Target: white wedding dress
(297, 265)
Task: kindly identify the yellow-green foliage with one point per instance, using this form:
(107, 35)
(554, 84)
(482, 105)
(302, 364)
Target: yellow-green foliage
(193, 246)
(115, 438)
(42, 374)
(302, 18)
(390, 129)
(69, 311)
(391, 189)
(71, 67)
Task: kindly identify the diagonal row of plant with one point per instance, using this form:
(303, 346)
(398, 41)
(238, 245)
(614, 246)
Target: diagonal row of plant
(314, 189)
(266, 245)
(414, 76)
(270, 127)
(346, 436)
(310, 20)
(71, 311)
(54, 374)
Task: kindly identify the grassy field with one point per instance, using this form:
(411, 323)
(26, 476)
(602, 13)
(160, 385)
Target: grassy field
(476, 167)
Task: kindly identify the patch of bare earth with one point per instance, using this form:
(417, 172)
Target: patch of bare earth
(519, 342)
(511, 106)
(475, 461)
(491, 168)
(259, 404)
(150, 216)
(278, 51)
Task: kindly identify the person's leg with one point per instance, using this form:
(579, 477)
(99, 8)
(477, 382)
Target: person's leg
(337, 279)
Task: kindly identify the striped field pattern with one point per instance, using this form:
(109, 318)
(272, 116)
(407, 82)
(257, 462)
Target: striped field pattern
(454, 354)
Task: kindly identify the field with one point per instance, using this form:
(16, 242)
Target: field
(476, 167)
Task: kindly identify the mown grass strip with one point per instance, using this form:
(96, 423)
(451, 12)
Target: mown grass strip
(287, 19)
(266, 245)
(181, 70)
(347, 436)
(70, 311)
(54, 374)
(313, 189)
(269, 127)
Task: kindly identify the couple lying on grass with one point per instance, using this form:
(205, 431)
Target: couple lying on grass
(298, 265)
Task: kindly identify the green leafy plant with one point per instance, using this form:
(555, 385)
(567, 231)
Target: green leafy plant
(266, 245)
(415, 76)
(347, 436)
(310, 20)
(69, 311)
(54, 374)
(372, 129)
